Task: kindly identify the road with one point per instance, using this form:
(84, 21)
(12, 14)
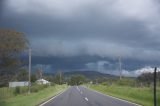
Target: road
(80, 96)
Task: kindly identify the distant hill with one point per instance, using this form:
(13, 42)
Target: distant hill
(88, 74)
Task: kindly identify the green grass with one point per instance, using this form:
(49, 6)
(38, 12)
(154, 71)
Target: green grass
(143, 96)
(33, 98)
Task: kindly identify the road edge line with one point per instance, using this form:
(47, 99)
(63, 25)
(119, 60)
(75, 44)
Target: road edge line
(113, 97)
(43, 103)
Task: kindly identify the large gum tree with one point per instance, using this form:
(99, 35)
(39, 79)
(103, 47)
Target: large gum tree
(12, 44)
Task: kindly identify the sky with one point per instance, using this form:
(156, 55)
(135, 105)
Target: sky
(73, 35)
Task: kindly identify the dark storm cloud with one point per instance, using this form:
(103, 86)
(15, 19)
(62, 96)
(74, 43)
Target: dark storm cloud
(2, 2)
(69, 29)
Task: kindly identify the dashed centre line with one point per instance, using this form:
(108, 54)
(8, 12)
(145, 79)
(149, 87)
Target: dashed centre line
(86, 99)
(78, 88)
(81, 92)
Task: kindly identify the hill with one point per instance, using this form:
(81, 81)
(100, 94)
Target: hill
(88, 74)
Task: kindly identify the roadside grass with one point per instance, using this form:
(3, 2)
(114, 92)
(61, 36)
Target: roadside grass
(6, 92)
(33, 98)
(143, 96)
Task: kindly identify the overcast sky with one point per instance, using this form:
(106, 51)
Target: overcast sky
(88, 34)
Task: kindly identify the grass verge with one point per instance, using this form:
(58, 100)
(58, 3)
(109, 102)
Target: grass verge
(143, 96)
(33, 98)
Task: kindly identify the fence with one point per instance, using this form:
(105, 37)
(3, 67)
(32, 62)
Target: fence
(6, 92)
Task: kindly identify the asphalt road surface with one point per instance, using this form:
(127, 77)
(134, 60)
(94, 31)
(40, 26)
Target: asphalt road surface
(80, 96)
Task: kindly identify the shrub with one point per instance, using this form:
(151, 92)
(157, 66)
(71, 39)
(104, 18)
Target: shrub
(126, 82)
(53, 84)
(17, 90)
(23, 90)
(37, 88)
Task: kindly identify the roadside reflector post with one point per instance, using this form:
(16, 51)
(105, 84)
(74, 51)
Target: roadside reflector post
(155, 77)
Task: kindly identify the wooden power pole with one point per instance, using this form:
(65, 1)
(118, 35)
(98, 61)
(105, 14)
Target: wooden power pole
(29, 73)
(120, 68)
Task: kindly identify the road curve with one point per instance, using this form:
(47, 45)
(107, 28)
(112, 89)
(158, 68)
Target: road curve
(80, 96)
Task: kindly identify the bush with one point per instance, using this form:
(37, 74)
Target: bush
(23, 90)
(17, 91)
(53, 84)
(37, 88)
(126, 82)
(105, 83)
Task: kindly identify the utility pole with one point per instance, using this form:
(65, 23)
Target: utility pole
(41, 72)
(155, 77)
(120, 68)
(29, 73)
(60, 76)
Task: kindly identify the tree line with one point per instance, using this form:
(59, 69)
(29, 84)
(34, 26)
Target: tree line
(146, 79)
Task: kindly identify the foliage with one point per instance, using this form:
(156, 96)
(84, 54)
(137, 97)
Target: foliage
(59, 78)
(116, 81)
(147, 78)
(17, 91)
(126, 82)
(22, 75)
(39, 73)
(37, 88)
(33, 78)
(12, 44)
(6, 92)
(49, 78)
(33, 99)
(76, 80)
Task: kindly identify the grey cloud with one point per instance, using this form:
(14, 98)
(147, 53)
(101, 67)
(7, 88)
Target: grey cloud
(92, 47)
(105, 28)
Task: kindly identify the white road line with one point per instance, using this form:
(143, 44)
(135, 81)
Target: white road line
(86, 98)
(53, 97)
(114, 97)
(78, 89)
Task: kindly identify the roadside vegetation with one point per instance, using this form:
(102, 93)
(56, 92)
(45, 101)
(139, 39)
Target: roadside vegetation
(13, 68)
(34, 98)
(131, 89)
(76, 80)
(6, 92)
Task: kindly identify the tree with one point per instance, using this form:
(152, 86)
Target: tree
(33, 78)
(59, 78)
(49, 78)
(22, 75)
(39, 73)
(76, 80)
(146, 78)
(12, 44)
